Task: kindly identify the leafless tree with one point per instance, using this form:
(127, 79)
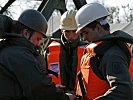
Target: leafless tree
(14, 7)
(128, 12)
(114, 14)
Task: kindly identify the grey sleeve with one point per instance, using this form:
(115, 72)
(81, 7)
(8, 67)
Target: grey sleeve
(36, 84)
(115, 69)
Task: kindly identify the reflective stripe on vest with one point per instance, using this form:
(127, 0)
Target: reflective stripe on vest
(94, 86)
(53, 60)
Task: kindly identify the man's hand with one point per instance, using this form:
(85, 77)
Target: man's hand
(71, 96)
(60, 87)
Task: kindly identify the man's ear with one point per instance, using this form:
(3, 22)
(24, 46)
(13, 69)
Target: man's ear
(99, 28)
(25, 33)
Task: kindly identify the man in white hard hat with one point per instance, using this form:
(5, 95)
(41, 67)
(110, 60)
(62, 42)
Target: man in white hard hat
(105, 66)
(64, 55)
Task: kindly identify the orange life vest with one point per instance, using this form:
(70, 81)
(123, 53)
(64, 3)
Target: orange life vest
(94, 86)
(53, 60)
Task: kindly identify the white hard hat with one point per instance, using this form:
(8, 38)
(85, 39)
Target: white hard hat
(67, 21)
(89, 13)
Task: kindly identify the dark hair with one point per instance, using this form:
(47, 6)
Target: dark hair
(93, 24)
(18, 27)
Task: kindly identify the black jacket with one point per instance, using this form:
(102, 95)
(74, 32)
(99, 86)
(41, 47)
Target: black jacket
(114, 60)
(22, 77)
(69, 62)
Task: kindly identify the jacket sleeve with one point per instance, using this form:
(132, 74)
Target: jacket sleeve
(36, 84)
(114, 67)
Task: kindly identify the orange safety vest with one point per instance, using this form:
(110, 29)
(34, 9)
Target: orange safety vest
(94, 86)
(53, 60)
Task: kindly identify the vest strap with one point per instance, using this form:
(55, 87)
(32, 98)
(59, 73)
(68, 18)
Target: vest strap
(81, 83)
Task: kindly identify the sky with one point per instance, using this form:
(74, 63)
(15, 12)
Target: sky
(118, 2)
(115, 3)
(20, 5)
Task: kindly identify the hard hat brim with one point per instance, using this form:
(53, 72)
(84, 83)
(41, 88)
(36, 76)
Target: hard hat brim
(68, 28)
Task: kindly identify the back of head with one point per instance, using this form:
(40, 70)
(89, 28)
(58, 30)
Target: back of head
(5, 24)
(89, 13)
(35, 20)
(67, 21)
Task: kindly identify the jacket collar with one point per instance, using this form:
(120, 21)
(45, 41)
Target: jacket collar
(71, 44)
(23, 42)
